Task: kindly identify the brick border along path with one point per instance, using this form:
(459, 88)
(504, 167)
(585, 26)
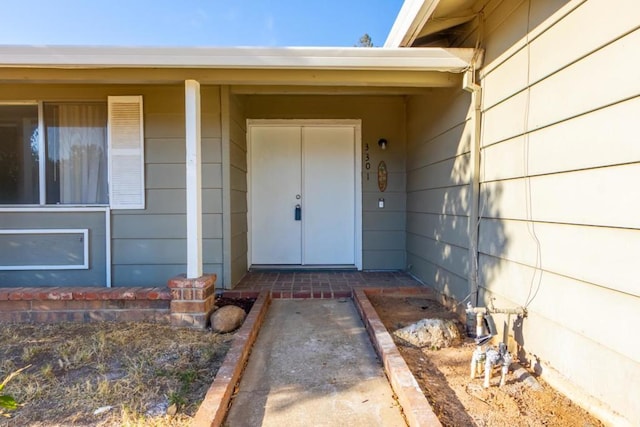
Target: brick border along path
(415, 406)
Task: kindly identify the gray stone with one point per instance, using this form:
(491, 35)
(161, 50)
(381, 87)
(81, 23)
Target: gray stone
(227, 319)
(432, 333)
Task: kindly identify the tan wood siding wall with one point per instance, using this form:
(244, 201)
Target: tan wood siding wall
(149, 246)
(238, 160)
(438, 178)
(383, 230)
(560, 167)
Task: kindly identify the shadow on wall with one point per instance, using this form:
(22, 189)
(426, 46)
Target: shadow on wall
(439, 174)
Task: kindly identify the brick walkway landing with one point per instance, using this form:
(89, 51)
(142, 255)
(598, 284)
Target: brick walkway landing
(318, 284)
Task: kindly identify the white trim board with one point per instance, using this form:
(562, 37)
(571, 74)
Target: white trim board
(56, 208)
(85, 241)
(260, 58)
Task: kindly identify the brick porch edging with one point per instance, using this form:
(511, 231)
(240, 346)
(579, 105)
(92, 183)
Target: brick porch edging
(415, 406)
(214, 407)
(84, 304)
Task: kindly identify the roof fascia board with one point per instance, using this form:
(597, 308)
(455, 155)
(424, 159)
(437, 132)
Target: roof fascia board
(315, 78)
(412, 17)
(427, 59)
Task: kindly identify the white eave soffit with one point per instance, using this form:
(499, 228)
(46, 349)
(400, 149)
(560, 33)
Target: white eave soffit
(295, 58)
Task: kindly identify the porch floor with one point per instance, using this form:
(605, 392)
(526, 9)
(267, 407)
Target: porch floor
(319, 284)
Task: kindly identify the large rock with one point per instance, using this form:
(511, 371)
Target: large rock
(432, 333)
(227, 318)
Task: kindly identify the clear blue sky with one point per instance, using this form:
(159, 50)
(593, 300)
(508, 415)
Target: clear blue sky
(196, 22)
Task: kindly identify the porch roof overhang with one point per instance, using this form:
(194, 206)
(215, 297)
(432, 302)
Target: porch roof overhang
(298, 66)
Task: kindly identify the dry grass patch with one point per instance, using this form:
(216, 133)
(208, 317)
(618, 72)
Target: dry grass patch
(108, 374)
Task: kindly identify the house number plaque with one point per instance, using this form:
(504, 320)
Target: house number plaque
(367, 160)
(382, 176)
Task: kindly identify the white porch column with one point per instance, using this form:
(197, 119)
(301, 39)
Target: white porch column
(194, 178)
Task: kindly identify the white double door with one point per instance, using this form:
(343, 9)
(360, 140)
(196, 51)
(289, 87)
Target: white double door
(303, 194)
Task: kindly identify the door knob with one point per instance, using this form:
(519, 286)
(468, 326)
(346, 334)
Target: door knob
(298, 213)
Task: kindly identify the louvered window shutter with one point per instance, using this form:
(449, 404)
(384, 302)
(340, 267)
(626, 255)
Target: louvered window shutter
(126, 152)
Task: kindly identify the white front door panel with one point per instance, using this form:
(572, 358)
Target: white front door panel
(329, 194)
(275, 183)
(310, 166)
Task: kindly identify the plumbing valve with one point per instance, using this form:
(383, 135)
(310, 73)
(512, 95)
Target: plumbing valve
(489, 357)
(477, 361)
(494, 358)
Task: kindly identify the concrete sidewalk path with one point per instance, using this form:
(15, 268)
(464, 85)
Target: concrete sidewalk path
(313, 365)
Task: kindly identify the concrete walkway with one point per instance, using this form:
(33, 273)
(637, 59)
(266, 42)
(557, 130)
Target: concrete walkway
(313, 365)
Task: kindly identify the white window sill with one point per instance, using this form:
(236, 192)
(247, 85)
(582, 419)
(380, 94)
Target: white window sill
(53, 208)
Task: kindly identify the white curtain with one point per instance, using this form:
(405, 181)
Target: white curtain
(81, 153)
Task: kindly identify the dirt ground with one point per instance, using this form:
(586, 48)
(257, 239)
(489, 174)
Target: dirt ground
(110, 374)
(457, 400)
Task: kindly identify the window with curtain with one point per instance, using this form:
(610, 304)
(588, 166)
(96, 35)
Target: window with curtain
(76, 153)
(19, 173)
(59, 153)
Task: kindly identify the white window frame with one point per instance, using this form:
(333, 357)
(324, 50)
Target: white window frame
(83, 231)
(42, 179)
(113, 202)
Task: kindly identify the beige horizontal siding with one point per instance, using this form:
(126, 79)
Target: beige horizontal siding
(238, 183)
(385, 240)
(153, 251)
(573, 92)
(586, 253)
(602, 196)
(238, 223)
(450, 229)
(563, 95)
(437, 277)
(169, 226)
(572, 304)
(154, 274)
(608, 22)
(168, 175)
(510, 25)
(172, 201)
(384, 220)
(559, 229)
(172, 150)
(430, 116)
(452, 200)
(438, 176)
(568, 146)
(382, 259)
(453, 259)
(447, 145)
